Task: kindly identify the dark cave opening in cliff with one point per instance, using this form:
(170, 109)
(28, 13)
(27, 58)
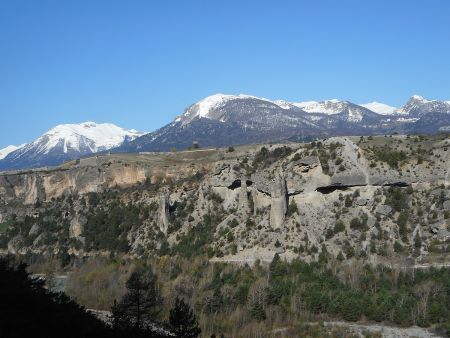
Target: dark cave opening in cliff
(397, 184)
(237, 184)
(331, 188)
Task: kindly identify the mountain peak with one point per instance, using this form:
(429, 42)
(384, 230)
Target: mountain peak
(99, 136)
(417, 105)
(68, 141)
(212, 101)
(209, 104)
(419, 98)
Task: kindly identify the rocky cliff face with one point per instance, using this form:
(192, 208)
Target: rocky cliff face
(44, 185)
(373, 197)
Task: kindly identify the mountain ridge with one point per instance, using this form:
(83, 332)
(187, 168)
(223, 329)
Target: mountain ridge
(225, 120)
(248, 118)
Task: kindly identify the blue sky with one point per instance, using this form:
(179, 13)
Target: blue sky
(140, 63)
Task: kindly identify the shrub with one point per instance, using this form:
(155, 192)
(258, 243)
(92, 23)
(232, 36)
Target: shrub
(265, 158)
(355, 223)
(348, 202)
(339, 226)
(292, 208)
(392, 157)
(398, 247)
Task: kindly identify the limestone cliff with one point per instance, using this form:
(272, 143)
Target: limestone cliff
(358, 196)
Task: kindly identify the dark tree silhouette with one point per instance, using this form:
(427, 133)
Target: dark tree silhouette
(140, 306)
(28, 309)
(182, 321)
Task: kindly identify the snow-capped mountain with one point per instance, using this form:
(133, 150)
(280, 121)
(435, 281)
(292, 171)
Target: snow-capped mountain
(222, 120)
(417, 106)
(84, 137)
(9, 149)
(68, 141)
(379, 108)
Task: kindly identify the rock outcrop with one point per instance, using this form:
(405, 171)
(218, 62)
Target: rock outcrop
(76, 226)
(163, 213)
(278, 205)
(243, 197)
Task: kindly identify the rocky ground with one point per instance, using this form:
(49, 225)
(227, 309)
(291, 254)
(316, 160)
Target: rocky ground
(362, 329)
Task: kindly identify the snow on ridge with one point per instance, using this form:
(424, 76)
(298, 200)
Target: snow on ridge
(9, 149)
(379, 108)
(283, 104)
(204, 107)
(207, 104)
(424, 100)
(210, 102)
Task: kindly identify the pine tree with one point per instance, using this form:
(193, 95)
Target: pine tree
(351, 309)
(141, 304)
(182, 321)
(257, 312)
(417, 241)
(292, 208)
(277, 267)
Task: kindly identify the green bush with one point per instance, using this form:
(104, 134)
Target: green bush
(339, 226)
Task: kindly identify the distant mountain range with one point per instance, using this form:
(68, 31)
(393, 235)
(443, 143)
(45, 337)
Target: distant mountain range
(221, 120)
(224, 120)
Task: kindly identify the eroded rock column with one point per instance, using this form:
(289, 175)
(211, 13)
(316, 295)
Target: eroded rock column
(163, 213)
(278, 206)
(243, 198)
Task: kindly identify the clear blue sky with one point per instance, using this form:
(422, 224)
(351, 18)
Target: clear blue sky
(140, 63)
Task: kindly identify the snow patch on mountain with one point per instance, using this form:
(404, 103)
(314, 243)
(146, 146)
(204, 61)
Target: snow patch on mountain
(329, 107)
(379, 108)
(206, 105)
(354, 115)
(407, 119)
(283, 104)
(9, 149)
